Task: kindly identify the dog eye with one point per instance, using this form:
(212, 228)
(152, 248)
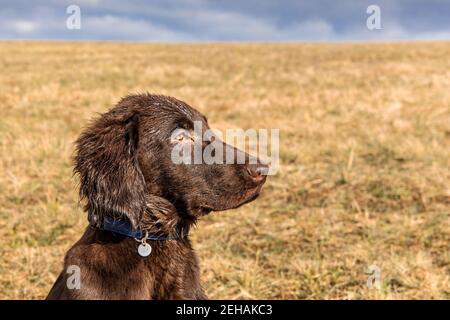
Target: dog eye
(180, 134)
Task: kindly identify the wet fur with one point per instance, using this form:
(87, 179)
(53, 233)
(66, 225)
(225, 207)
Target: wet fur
(123, 162)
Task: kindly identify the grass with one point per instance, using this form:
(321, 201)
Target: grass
(365, 161)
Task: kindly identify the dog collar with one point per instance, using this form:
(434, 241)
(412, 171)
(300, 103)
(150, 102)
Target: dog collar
(144, 249)
(125, 229)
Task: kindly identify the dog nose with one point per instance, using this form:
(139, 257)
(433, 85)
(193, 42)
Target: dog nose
(258, 171)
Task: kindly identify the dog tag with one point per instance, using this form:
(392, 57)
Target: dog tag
(144, 249)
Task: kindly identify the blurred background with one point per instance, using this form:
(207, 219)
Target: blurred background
(360, 206)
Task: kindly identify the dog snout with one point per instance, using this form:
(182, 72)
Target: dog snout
(258, 171)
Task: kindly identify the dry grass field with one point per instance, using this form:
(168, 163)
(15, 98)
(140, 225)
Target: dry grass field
(364, 150)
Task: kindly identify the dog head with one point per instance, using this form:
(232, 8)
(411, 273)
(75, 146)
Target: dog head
(125, 160)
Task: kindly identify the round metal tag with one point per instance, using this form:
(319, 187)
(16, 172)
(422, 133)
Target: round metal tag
(144, 249)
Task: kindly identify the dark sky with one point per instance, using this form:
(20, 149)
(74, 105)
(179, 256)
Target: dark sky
(226, 20)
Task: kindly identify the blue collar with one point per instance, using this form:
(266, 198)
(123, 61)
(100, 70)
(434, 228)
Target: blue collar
(125, 229)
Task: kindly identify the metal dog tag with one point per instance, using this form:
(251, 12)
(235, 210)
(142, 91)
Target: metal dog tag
(144, 249)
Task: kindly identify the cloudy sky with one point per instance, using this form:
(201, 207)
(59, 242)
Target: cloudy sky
(225, 20)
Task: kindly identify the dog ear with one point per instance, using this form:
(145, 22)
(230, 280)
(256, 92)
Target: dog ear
(106, 162)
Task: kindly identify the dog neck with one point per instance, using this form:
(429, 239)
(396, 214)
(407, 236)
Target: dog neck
(159, 222)
(124, 228)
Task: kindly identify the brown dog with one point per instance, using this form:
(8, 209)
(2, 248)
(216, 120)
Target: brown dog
(133, 189)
